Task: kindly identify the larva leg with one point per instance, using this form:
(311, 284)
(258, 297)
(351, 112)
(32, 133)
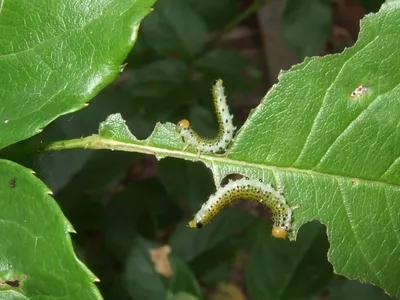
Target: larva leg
(279, 184)
(186, 145)
(280, 188)
(295, 207)
(198, 154)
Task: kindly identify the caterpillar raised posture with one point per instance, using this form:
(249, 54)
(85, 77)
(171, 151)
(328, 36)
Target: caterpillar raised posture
(226, 129)
(249, 189)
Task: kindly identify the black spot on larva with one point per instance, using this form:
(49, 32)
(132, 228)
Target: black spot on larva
(199, 224)
(228, 131)
(220, 148)
(226, 141)
(226, 121)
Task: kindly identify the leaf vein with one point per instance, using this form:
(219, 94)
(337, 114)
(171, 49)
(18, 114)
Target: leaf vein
(352, 226)
(348, 128)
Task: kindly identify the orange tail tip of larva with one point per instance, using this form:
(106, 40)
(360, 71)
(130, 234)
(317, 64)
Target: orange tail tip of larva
(182, 124)
(279, 232)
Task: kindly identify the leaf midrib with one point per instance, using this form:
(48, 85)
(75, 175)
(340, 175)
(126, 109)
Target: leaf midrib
(98, 142)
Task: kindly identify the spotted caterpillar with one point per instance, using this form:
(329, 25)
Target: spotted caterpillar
(226, 129)
(249, 189)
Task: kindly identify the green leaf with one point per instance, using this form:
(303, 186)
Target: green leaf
(156, 79)
(115, 130)
(183, 279)
(337, 155)
(154, 89)
(307, 25)
(140, 277)
(236, 71)
(350, 290)
(328, 134)
(55, 56)
(144, 202)
(36, 253)
(295, 270)
(183, 31)
(181, 296)
(181, 180)
(216, 13)
(371, 6)
(190, 244)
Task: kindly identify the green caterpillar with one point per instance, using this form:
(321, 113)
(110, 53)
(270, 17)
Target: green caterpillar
(225, 126)
(249, 189)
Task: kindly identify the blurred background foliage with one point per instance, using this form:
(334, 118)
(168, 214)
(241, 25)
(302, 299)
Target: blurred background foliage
(130, 210)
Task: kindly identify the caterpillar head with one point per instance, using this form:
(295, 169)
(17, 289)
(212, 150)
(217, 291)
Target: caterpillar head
(182, 124)
(194, 224)
(279, 232)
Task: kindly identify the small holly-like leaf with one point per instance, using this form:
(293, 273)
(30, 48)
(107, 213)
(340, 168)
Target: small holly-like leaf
(57, 55)
(36, 252)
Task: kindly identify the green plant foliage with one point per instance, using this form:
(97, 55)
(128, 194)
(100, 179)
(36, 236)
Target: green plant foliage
(138, 281)
(55, 56)
(371, 6)
(124, 205)
(289, 265)
(183, 34)
(36, 252)
(216, 14)
(334, 149)
(357, 290)
(307, 25)
(173, 173)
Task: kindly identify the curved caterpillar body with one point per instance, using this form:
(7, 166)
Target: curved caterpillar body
(225, 126)
(250, 189)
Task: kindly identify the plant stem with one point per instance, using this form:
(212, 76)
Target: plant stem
(97, 142)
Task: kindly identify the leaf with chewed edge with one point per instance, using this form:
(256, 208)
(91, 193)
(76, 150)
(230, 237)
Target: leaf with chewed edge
(36, 255)
(328, 133)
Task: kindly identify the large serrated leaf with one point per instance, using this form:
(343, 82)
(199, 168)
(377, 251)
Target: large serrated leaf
(329, 134)
(36, 252)
(57, 55)
(336, 149)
